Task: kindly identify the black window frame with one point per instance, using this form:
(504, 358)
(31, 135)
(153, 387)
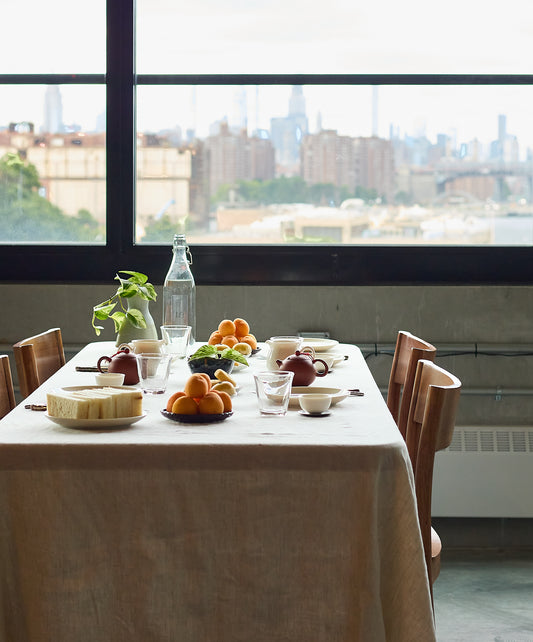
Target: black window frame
(316, 264)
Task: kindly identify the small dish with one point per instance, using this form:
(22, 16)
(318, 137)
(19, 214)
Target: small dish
(314, 414)
(109, 378)
(95, 424)
(315, 403)
(196, 419)
(337, 394)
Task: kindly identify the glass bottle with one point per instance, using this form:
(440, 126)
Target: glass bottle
(179, 289)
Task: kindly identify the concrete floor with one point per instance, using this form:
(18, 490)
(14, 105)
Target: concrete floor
(485, 596)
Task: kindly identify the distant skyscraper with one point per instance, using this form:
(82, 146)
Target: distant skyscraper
(502, 128)
(374, 110)
(239, 117)
(287, 133)
(53, 111)
(297, 101)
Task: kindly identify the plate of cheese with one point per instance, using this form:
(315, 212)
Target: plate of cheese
(94, 406)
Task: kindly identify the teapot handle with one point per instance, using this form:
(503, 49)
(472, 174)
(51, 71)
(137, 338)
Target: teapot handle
(326, 369)
(307, 350)
(108, 359)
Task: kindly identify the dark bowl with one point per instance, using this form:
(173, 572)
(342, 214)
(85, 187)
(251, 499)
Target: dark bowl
(210, 364)
(196, 419)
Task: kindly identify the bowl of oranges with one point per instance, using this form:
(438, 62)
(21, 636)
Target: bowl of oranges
(236, 335)
(198, 402)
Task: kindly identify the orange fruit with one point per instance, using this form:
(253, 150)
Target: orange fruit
(196, 386)
(250, 340)
(172, 399)
(226, 400)
(207, 378)
(230, 340)
(185, 406)
(226, 327)
(214, 338)
(211, 404)
(241, 327)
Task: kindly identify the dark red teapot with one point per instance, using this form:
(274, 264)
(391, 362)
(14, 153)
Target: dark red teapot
(303, 366)
(123, 361)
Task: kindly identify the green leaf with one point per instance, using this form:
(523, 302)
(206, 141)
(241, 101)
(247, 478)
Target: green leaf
(136, 318)
(127, 290)
(118, 320)
(230, 353)
(136, 285)
(102, 312)
(136, 277)
(148, 292)
(204, 351)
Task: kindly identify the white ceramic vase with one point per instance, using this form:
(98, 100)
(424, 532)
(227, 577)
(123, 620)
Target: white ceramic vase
(129, 332)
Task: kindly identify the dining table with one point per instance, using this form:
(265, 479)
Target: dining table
(258, 528)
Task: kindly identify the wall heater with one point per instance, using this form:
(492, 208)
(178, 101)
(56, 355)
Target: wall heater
(485, 472)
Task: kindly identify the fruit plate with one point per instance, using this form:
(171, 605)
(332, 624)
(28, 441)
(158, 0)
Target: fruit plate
(337, 394)
(196, 419)
(95, 424)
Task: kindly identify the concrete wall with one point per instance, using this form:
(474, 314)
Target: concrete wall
(451, 317)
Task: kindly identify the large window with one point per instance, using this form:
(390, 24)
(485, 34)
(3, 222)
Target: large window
(287, 140)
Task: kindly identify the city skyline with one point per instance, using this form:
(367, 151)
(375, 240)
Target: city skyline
(161, 108)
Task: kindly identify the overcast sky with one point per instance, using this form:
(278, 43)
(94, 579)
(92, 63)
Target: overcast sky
(285, 36)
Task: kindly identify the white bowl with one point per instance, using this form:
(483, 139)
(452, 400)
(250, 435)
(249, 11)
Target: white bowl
(315, 403)
(109, 378)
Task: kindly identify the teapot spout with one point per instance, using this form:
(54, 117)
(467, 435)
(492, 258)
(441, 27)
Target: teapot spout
(279, 362)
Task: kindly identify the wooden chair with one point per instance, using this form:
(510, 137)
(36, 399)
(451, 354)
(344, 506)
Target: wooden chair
(37, 358)
(7, 394)
(409, 350)
(430, 427)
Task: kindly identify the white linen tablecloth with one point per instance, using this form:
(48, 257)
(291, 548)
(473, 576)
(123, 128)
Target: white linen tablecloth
(256, 529)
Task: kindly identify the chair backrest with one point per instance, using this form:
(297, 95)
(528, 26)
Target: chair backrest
(408, 352)
(7, 394)
(430, 427)
(37, 358)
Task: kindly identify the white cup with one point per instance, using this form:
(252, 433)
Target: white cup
(314, 403)
(109, 378)
(147, 346)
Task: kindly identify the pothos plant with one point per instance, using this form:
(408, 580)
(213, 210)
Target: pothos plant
(136, 285)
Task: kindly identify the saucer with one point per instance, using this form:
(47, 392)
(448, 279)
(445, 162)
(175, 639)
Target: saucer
(314, 414)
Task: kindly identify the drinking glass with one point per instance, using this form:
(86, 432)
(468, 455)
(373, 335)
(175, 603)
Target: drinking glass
(153, 372)
(176, 340)
(273, 391)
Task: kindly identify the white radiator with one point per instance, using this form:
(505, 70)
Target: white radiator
(486, 472)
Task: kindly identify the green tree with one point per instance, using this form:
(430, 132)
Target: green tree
(366, 193)
(27, 216)
(160, 231)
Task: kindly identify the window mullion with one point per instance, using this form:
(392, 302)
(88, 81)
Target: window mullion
(120, 138)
